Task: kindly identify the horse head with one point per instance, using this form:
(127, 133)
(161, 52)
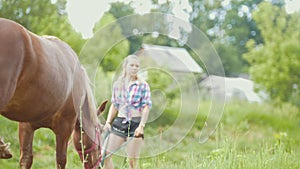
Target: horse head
(87, 146)
(87, 133)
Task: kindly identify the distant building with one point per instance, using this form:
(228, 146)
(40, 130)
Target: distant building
(235, 88)
(171, 58)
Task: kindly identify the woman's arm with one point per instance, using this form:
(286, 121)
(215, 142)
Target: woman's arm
(140, 130)
(146, 103)
(111, 114)
(145, 114)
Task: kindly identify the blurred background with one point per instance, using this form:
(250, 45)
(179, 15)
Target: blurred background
(257, 42)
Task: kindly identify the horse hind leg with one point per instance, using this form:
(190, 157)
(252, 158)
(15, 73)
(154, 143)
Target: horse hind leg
(26, 133)
(4, 150)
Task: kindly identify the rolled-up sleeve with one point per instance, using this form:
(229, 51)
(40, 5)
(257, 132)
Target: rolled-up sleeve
(146, 96)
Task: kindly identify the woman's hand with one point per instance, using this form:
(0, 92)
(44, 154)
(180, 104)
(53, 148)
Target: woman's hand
(107, 126)
(139, 132)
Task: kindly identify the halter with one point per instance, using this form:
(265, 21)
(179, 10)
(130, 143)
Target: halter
(96, 144)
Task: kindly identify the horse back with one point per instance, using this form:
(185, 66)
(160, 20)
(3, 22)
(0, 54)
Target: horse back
(36, 74)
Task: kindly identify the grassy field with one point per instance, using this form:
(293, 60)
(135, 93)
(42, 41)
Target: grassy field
(250, 136)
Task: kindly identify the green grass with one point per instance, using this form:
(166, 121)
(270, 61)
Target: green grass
(228, 156)
(250, 136)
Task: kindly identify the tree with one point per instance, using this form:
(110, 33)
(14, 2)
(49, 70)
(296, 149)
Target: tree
(229, 26)
(275, 63)
(119, 10)
(43, 18)
(239, 28)
(226, 26)
(107, 44)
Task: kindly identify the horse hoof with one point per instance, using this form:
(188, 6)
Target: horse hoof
(4, 150)
(6, 156)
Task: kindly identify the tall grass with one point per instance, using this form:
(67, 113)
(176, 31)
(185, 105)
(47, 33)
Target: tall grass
(250, 136)
(228, 155)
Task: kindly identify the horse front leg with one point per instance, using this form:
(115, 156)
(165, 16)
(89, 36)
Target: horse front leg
(61, 151)
(26, 133)
(62, 138)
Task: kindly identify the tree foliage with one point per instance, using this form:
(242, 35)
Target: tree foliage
(119, 10)
(107, 44)
(229, 26)
(43, 18)
(275, 63)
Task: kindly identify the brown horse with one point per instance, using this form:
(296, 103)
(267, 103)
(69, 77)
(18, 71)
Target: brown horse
(43, 85)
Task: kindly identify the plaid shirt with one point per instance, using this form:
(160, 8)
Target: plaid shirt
(135, 98)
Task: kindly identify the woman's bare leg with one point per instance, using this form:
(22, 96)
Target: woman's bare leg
(113, 144)
(133, 150)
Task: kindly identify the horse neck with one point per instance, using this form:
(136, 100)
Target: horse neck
(89, 98)
(91, 107)
(87, 120)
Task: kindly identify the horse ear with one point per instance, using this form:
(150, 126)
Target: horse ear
(101, 108)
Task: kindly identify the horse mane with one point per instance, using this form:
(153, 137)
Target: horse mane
(90, 100)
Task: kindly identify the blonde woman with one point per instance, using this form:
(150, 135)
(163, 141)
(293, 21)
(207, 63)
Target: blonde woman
(128, 113)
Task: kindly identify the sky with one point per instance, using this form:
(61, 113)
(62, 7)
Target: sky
(84, 14)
